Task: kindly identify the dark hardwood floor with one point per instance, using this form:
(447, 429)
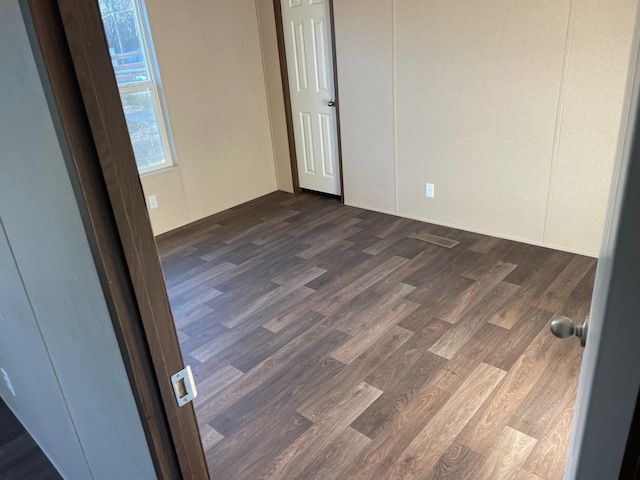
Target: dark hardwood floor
(20, 456)
(329, 342)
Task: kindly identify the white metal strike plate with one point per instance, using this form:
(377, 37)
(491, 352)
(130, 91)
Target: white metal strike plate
(184, 386)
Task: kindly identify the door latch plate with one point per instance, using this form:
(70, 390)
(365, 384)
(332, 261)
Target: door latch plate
(184, 386)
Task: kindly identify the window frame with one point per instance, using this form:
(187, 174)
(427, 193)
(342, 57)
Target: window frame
(152, 85)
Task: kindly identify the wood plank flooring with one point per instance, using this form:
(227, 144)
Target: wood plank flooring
(330, 342)
(20, 456)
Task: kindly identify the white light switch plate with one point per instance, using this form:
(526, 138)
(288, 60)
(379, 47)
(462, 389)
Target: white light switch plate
(429, 190)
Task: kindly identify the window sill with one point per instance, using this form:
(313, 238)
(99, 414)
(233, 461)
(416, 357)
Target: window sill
(160, 171)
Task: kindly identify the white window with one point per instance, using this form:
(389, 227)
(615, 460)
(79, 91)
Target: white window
(134, 67)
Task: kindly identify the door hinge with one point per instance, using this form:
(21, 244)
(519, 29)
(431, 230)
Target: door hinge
(184, 386)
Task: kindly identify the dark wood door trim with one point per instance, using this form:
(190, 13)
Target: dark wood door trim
(284, 73)
(335, 86)
(75, 59)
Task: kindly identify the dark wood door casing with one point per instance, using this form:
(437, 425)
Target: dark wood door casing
(69, 38)
(284, 74)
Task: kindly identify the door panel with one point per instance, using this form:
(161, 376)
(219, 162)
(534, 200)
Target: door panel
(320, 54)
(307, 33)
(609, 378)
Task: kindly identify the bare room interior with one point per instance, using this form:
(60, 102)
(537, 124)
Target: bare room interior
(367, 215)
(512, 112)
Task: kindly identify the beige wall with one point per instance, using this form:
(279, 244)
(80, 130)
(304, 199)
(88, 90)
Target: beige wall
(511, 110)
(364, 45)
(210, 61)
(595, 78)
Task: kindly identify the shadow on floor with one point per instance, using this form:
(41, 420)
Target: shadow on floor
(20, 456)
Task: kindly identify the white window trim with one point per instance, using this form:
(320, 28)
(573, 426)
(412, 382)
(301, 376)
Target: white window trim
(153, 86)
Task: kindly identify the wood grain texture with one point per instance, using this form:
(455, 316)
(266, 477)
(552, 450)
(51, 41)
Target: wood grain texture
(510, 452)
(465, 329)
(522, 334)
(536, 411)
(456, 370)
(477, 291)
(335, 389)
(425, 449)
(555, 295)
(209, 436)
(325, 429)
(362, 341)
(524, 475)
(374, 358)
(482, 432)
(336, 457)
(390, 442)
(397, 395)
(533, 284)
(545, 461)
(456, 463)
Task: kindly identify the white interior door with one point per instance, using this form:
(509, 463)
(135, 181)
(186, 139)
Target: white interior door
(307, 34)
(610, 378)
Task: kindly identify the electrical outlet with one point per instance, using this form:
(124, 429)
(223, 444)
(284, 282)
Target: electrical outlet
(153, 202)
(429, 190)
(7, 380)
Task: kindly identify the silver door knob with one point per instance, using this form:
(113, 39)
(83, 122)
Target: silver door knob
(331, 103)
(563, 327)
